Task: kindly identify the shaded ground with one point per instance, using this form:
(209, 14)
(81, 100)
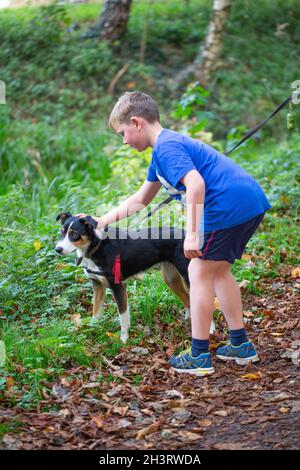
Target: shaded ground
(256, 407)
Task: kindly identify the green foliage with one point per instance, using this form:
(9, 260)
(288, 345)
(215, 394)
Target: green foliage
(254, 77)
(40, 153)
(189, 111)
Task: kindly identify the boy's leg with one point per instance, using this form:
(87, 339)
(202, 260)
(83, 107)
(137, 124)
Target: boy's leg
(198, 360)
(229, 294)
(202, 274)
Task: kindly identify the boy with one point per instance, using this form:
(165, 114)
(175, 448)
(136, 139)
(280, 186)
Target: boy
(223, 201)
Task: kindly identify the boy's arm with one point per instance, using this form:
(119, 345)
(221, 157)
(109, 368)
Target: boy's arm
(131, 205)
(195, 195)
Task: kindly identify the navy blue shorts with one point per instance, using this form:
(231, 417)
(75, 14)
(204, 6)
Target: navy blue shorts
(229, 244)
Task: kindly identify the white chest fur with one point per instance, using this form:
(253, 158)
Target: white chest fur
(89, 265)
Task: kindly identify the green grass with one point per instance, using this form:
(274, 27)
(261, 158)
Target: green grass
(77, 12)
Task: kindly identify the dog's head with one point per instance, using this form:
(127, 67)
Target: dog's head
(76, 234)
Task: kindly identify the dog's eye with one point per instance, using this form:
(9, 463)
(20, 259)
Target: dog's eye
(74, 237)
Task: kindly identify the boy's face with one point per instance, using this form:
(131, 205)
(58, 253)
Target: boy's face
(134, 134)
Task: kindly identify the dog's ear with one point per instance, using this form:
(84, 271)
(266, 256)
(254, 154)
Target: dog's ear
(63, 217)
(89, 221)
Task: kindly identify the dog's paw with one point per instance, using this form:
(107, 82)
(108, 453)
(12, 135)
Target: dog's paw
(124, 337)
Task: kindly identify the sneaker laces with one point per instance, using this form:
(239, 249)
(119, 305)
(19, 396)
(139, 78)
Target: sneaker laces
(187, 350)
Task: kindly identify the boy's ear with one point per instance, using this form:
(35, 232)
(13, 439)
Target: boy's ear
(136, 121)
(89, 221)
(63, 216)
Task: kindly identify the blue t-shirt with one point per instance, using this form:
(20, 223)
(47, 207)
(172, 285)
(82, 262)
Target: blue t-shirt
(232, 196)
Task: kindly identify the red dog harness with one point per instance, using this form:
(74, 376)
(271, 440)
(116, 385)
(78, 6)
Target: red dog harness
(116, 270)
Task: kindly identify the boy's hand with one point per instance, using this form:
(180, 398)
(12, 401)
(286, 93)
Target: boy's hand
(97, 219)
(191, 246)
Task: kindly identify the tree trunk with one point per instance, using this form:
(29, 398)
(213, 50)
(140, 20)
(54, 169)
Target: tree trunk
(112, 22)
(207, 59)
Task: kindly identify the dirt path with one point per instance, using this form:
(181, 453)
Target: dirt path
(256, 407)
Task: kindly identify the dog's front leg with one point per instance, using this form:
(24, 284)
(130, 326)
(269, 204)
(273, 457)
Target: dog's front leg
(98, 300)
(120, 295)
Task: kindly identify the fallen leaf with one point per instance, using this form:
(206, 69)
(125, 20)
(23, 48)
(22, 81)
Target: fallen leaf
(174, 393)
(272, 397)
(296, 406)
(296, 272)
(170, 351)
(221, 413)
(244, 284)
(11, 443)
(60, 266)
(60, 391)
(119, 425)
(64, 412)
(10, 382)
(148, 430)
(204, 422)
(147, 411)
(91, 385)
(248, 314)
(283, 410)
(111, 335)
(189, 436)
(98, 420)
(142, 351)
(280, 397)
(254, 376)
(230, 445)
(120, 410)
(64, 382)
(37, 245)
(76, 319)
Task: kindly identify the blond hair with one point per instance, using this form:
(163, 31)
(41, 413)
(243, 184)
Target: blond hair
(130, 104)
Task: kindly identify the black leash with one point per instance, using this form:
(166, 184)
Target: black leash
(246, 137)
(157, 208)
(261, 124)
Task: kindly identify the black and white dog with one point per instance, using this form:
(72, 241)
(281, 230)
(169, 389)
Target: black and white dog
(112, 255)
